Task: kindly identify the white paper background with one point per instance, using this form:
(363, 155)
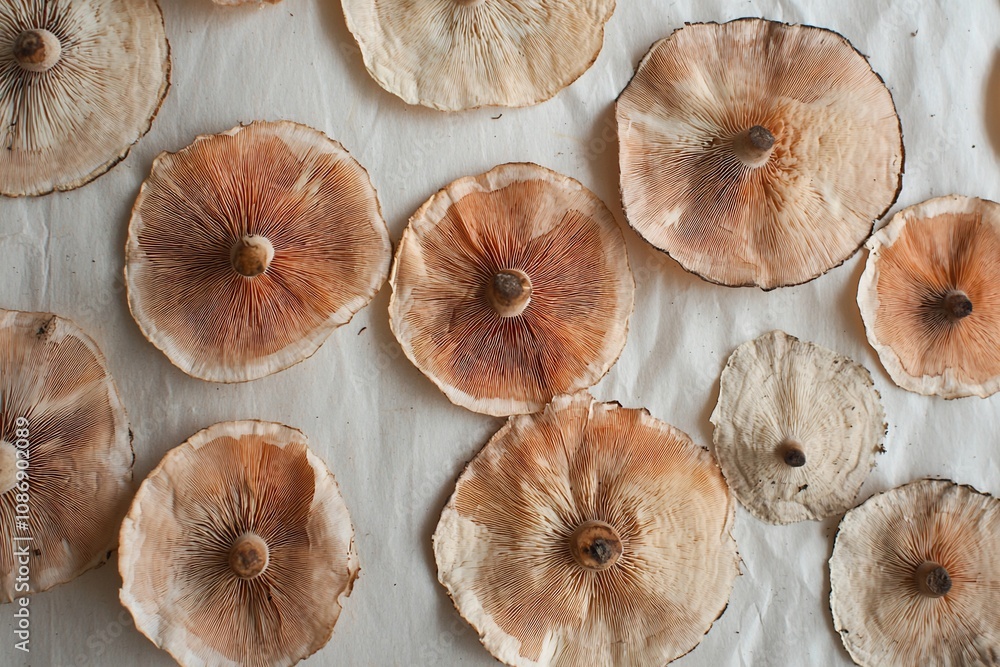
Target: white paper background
(394, 442)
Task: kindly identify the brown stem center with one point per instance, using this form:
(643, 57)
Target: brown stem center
(792, 453)
(8, 467)
(754, 146)
(509, 292)
(468, 3)
(249, 556)
(595, 545)
(932, 579)
(37, 50)
(956, 305)
(251, 255)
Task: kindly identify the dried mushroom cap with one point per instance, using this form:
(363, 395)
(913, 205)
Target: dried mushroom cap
(930, 298)
(588, 534)
(914, 578)
(80, 83)
(59, 411)
(757, 153)
(248, 248)
(238, 549)
(797, 428)
(511, 287)
(463, 54)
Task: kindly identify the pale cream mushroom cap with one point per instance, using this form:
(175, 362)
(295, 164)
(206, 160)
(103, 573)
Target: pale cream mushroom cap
(557, 252)
(253, 485)
(649, 508)
(797, 428)
(463, 54)
(80, 83)
(78, 447)
(915, 579)
(930, 297)
(248, 248)
(755, 152)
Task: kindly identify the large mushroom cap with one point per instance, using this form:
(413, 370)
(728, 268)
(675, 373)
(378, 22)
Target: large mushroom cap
(80, 82)
(930, 297)
(589, 534)
(797, 428)
(238, 549)
(511, 287)
(462, 54)
(60, 413)
(915, 579)
(248, 248)
(757, 153)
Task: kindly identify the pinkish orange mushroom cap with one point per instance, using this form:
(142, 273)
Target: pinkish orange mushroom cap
(248, 248)
(61, 413)
(238, 549)
(588, 534)
(511, 287)
(930, 297)
(755, 152)
(914, 578)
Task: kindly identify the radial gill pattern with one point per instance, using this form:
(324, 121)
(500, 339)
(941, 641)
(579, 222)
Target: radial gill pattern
(248, 248)
(60, 413)
(512, 287)
(914, 578)
(80, 82)
(238, 549)
(588, 534)
(930, 297)
(755, 152)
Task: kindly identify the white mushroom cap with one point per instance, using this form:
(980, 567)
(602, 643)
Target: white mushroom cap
(755, 152)
(589, 534)
(238, 549)
(463, 54)
(915, 578)
(80, 83)
(930, 297)
(797, 428)
(76, 439)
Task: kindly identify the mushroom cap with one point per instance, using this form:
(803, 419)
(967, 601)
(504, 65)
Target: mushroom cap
(228, 481)
(503, 545)
(79, 450)
(883, 618)
(463, 54)
(807, 201)
(947, 245)
(67, 125)
(797, 428)
(515, 219)
(281, 187)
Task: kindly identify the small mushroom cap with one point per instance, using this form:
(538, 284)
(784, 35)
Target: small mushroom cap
(567, 326)
(68, 119)
(180, 578)
(78, 447)
(463, 54)
(782, 212)
(283, 189)
(883, 617)
(506, 545)
(797, 428)
(930, 298)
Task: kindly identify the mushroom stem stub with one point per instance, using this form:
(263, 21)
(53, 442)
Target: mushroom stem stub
(469, 3)
(957, 305)
(249, 556)
(792, 454)
(8, 466)
(509, 292)
(933, 580)
(37, 50)
(753, 147)
(251, 255)
(596, 545)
